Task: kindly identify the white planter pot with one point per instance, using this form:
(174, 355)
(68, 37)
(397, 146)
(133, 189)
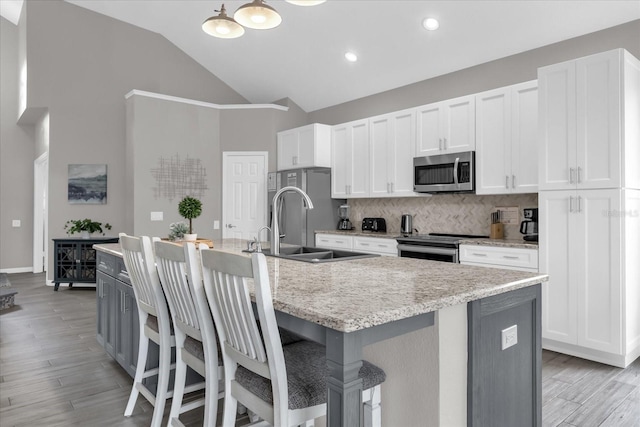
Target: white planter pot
(85, 234)
(190, 237)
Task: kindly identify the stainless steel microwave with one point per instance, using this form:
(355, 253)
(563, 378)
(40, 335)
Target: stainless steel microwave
(445, 173)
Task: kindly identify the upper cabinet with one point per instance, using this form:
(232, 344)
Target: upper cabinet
(506, 140)
(588, 124)
(392, 141)
(446, 127)
(350, 160)
(304, 147)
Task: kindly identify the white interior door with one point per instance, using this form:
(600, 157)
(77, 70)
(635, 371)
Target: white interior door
(244, 198)
(40, 212)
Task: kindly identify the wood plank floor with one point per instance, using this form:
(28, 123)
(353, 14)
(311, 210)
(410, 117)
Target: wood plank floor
(54, 373)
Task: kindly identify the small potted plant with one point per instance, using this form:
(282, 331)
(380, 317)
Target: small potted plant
(85, 227)
(177, 230)
(190, 208)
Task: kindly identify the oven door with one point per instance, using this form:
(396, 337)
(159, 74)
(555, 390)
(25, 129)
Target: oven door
(428, 252)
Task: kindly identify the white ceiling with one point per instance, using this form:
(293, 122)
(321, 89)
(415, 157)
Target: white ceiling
(303, 58)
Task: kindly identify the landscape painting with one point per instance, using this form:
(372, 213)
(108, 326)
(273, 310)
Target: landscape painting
(87, 184)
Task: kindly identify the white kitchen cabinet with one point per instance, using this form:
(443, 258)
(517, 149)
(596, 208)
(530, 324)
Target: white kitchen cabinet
(392, 141)
(590, 248)
(509, 258)
(588, 122)
(350, 160)
(506, 140)
(334, 241)
(372, 245)
(375, 245)
(304, 147)
(446, 127)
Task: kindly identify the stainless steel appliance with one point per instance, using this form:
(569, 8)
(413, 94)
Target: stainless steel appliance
(433, 246)
(529, 227)
(297, 224)
(444, 173)
(343, 213)
(374, 224)
(406, 225)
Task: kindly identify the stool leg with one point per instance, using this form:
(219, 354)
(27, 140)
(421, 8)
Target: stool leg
(163, 381)
(143, 348)
(178, 385)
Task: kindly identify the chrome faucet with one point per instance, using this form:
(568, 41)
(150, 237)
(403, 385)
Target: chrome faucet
(256, 244)
(275, 227)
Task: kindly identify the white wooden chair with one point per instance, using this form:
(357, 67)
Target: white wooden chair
(285, 386)
(179, 270)
(155, 324)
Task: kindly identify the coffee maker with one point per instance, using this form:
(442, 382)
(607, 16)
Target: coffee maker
(344, 223)
(529, 227)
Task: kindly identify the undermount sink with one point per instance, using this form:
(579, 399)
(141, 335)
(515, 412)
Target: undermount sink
(316, 255)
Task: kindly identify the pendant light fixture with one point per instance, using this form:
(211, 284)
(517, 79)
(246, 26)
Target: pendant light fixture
(306, 2)
(222, 26)
(257, 15)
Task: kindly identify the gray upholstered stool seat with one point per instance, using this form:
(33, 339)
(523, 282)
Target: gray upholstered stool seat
(307, 373)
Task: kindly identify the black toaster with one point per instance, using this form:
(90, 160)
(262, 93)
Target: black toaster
(374, 224)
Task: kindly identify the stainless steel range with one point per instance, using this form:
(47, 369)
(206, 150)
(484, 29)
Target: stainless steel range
(433, 246)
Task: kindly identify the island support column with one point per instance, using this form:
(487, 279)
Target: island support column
(344, 359)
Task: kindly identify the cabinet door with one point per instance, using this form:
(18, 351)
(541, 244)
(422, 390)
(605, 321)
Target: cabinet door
(493, 142)
(287, 149)
(306, 147)
(334, 241)
(557, 258)
(106, 312)
(460, 125)
(123, 335)
(598, 277)
(359, 156)
(381, 136)
(524, 139)
(598, 120)
(429, 129)
(557, 126)
(340, 160)
(401, 154)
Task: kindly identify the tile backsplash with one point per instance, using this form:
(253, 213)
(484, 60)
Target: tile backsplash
(443, 213)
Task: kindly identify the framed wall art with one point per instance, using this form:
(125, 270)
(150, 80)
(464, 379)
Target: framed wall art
(87, 184)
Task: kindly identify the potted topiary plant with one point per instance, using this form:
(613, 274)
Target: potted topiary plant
(190, 208)
(85, 227)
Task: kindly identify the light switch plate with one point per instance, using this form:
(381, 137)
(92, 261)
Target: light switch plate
(157, 216)
(509, 337)
(216, 225)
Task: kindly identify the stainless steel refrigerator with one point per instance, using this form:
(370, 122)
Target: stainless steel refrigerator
(297, 223)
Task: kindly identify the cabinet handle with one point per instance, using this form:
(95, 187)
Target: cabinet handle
(478, 254)
(510, 257)
(571, 176)
(388, 188)
(579, 174)
(392, 190)
(506, 182)
(513, 181)
(445, 143)
(382, 246)
(440, 144)
(570, 203)
(364, 244)
(579, 203)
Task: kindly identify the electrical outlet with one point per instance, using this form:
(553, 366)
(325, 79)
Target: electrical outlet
(157, 216)
(15, 223)
(216, 225)
(509, 337)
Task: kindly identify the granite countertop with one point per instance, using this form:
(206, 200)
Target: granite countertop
(355, 232)
(357, 294)
(505, 243)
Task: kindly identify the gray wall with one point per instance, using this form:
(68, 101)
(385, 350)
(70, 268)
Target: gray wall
(16, 160)
(163, 129)
(502, 72)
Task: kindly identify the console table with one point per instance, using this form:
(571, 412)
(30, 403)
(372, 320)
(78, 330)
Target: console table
(75, 260)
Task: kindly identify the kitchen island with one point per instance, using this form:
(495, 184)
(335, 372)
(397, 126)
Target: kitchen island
(349, 305)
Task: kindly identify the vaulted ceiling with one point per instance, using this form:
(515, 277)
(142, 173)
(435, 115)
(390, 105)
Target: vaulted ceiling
(303, 58)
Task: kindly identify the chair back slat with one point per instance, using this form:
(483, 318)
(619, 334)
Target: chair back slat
(172, 268)
(142, 272)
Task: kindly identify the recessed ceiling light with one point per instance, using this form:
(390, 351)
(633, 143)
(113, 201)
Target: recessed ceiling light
(351, 57)
(430, 24)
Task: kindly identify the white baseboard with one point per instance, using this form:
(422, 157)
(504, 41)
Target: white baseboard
(17, 270)
(618, 360)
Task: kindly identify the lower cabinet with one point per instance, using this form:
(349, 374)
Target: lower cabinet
(118, 329)
(508, 258)
(372, 245)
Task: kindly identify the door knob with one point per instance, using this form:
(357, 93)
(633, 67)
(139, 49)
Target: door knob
(231, 226)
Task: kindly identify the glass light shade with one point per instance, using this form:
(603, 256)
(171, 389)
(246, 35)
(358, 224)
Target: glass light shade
(222, 26)
(257, 15)
(430, 24)
(306, 2)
